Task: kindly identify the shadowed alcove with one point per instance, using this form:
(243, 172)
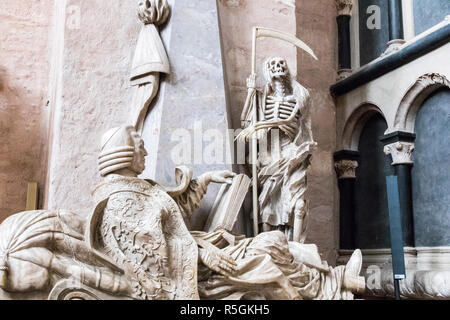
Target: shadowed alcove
(431, 171)
(371, 210)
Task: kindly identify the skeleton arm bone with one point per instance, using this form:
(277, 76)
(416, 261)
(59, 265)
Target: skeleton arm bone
(251, 85)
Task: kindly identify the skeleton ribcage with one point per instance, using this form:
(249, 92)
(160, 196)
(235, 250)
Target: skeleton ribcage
(281, 108)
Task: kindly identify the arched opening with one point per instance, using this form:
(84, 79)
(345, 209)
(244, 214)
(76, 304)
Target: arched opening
(413, 100)
(431, 171)
(355, 124)
(371, 209)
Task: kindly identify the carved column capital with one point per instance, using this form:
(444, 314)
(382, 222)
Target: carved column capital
(344, 74)
(400, 151)
(344, 7)
(346, 169)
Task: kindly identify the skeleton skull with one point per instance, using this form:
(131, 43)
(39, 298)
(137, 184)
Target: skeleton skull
(277, 67)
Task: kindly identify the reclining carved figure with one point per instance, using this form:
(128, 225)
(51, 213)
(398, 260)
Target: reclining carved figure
(137, 245)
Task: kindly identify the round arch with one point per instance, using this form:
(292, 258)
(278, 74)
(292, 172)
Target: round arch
(413, 100)
(355, 124)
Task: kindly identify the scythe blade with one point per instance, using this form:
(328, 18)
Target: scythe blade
(277, 34)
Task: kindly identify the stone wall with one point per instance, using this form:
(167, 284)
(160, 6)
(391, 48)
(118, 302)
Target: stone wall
(24, 72)
(428, 13)
(316, 25)
(97, 41)
(92, 47)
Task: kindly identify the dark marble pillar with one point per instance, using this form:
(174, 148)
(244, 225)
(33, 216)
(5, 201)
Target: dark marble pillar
(395, 20)
(346, 163)
(396, 34)
(400, 145)
(344, 8)
(345, 60)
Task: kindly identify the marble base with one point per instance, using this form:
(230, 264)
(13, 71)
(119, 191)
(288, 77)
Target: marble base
(427, 273)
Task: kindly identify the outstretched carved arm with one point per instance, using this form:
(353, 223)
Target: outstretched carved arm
(190, 200)
(251, 88)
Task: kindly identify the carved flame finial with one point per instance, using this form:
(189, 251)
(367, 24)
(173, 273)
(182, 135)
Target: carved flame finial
(153, 11)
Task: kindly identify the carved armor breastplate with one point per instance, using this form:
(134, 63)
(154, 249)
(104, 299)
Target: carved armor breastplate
(143, 231)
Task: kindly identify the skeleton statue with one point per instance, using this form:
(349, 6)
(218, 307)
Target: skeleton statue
(136, 244)
(150, 59)
(283, 113)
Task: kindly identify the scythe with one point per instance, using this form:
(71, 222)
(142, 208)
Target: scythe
(260, 32)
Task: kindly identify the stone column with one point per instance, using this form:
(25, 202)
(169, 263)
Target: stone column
(346, 163)
(344, 8)
(400, 145)
(396, 34)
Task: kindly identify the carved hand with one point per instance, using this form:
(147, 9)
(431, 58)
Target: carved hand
(251, 82)
(221, 176)
(217, 261)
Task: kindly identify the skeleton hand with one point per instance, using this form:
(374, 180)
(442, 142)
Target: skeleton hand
(251, 81)
(217, 261)
(246, 134)
(221, 177)
(245, 123)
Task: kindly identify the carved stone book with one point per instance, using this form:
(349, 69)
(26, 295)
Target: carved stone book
(225, 210)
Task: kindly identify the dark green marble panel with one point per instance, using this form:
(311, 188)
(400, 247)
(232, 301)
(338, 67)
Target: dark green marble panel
(371, 208)
(431, 172)
(428, 13)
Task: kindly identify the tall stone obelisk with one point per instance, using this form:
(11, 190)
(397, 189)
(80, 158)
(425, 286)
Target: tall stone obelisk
(91, 62)
(190, 117)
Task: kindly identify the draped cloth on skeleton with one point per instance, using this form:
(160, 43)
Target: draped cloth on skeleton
(282, 177)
